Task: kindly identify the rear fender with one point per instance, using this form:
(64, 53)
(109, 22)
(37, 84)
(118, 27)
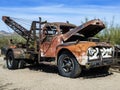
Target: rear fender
(18, 53)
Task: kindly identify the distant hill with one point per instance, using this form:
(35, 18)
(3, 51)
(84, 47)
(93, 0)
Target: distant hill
(4, 33)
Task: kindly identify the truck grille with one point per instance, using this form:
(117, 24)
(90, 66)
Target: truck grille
(99, 53)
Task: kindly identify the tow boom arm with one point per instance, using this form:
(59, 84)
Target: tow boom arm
(17, 28)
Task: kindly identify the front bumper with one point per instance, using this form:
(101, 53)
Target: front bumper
(99, 63)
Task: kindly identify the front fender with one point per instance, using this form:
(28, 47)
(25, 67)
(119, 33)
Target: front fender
(79, 50)
(77, 53)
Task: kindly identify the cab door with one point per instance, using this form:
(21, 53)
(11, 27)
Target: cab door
(46, 44)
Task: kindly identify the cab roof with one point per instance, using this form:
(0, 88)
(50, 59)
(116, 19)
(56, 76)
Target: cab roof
(62, 24)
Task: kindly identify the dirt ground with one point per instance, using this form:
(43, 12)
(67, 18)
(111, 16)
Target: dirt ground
(45, 77)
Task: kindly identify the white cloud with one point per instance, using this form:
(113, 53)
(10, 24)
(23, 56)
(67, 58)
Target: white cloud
(62, 13)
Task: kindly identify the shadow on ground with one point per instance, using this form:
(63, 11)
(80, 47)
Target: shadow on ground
(44, 68)
(92, 73)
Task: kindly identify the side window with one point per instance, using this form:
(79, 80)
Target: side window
(49, 32)
(64, 29)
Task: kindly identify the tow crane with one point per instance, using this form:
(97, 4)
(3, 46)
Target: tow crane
(67, 45)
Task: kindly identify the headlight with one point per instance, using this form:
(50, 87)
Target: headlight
(110, 51)
(106, 52)
(93, 53)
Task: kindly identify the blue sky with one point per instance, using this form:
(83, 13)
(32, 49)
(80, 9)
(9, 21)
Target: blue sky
(61, 10)
(29, 3)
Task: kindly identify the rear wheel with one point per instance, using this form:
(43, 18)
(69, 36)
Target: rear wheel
(68, 65)
(11, 62)
(21, 64)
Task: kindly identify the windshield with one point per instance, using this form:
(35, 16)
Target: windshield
(65, 29)
(77, 37)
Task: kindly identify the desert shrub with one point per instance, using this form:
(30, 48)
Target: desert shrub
(4, 40)
(111, 33)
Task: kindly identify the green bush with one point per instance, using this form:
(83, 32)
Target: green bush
(4, 40)
(110, 34)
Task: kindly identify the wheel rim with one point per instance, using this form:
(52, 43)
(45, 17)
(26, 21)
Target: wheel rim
(10, 61)
(67, 65)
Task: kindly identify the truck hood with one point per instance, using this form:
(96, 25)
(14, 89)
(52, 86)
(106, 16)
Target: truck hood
(88, 29)
(87, 44)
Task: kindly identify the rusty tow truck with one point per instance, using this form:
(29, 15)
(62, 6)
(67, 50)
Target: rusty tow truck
(70, 47)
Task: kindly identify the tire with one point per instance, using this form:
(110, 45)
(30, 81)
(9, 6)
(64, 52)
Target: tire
(11, 62)
(21, 64)
(68, 65)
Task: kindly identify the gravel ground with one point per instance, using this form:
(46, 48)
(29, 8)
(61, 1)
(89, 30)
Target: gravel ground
(45, 77)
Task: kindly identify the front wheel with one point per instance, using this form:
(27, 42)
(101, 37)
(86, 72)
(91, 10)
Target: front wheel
(68, 65)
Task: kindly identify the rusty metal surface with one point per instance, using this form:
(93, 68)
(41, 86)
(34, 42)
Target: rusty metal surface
(48, 48)
(77, 49)
(88, 29)
(61, 24)
(80, 50)
(51, 46)
(56, 36)
(18, 53)
(17, 27)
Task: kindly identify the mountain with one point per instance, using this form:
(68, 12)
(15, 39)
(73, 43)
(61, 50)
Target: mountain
(4, 33)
